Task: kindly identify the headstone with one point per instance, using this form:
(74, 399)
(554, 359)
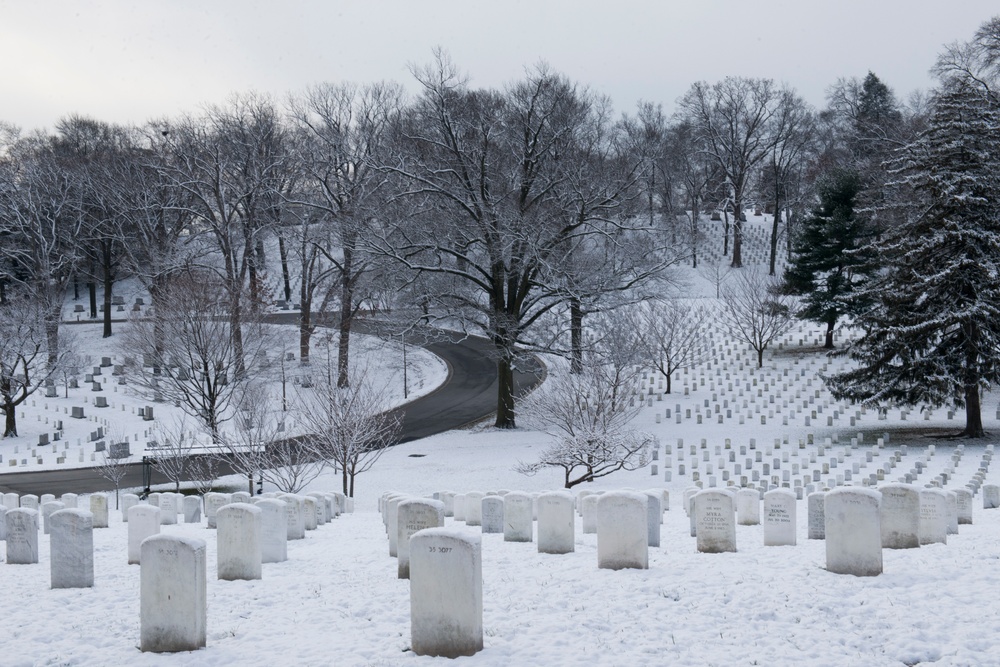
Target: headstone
(22, 536)
(991, 496)
(963, 499)
(153, 499)
(309, 512)
(392, 526)
(556, 523)
(474, 509)
(213, 503)
(952, 512)
(71, 549)
(459, 507)
(900, 516)
(99, 508)
(30, 501)
(780, 518)
(714, 521)
(11, 501)
(168, 509)
(933, 516)
(46, 498)
(622, 530)
(273, 530)
(853, 531)
(128, 500)
(446, 593)
(817, 520)
(517, 517)
(69, 500)
(748, 507)
(143, 522)
(192, 509)
(492, 514)
(240, 497)
(588, 510)
(47, 510)
(654, 517)
(238, 534)
(173, 607)
(294, 520)
(414, 515)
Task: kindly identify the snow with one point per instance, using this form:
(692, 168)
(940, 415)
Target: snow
(337, 599)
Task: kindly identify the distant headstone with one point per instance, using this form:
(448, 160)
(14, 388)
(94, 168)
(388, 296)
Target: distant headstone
(30, 501)
(168, 509)
(933, 516)
(414, 515)
(213, 503)
(22, 536)
(991, 496)
(622, 530)
(963, 500)
(900, 516)
(71, 549)
(492, 514)
(99, 508)
(11, 501)
(588, 512)
(69, 500)
(309, 512)
(240, 497)
(748, 507)
(446, 593)
(143, 522)
(780, 522)
(715, 521)
(192, 509)
(654, 517)
(817, 517)
(853, 531)
(474, 509)
(128, 500)
(238, 534)
(273, 530)
(173, 607)
(295, 522)
(517, 517)
(952, 512)
(556, 523)
(48, 509)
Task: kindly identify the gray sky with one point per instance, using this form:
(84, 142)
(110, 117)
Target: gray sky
(132, 60)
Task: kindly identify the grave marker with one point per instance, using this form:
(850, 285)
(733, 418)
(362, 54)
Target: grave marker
(22, 536)
(900, 516)
(415, 515)
(71, 546)
(173, 594)
(239, 555)
(780, 522)
(143, 522)
(273, 530)
(853, 531)
(714, 521)
(517, 513)
(623, 530)
(556, 523)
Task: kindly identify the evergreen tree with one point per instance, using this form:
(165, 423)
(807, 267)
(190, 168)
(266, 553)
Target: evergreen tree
(831, 259)
(932, 336)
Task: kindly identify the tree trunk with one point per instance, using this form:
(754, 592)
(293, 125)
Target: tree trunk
(774, 234)
(694, 232)
(725, 232)
(973, 413)
(346, 317)
(737, 232)
(109, 282)
(285, 275)
(576, 335)
(305, 330)
(830, 324)
(92, 293)
(236, 332)
(10, 421)
(505, 391)
(760, 358)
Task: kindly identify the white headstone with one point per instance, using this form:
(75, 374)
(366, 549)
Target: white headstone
(415, 515)
(22, 536)
(446, 593)
(48, 508)
(213, 502)
(30, 501)
(458, 503)
(588, 510)
(715, 521)
(69, 500)
(293, 513)
(556, 523)
(933, 516)
(192, 509)
(900, 516)
(47, 498)
(173, 606)
(817, 518)
(623, 530)
(240, 497)
(654, 517)
(392, 512)
(71, 549)
(11, 501)
(3, 522)
(853, 531)
(780, 521)
(128, 500)
(474, 509)
(748, 507)
(273, 530)
(963, 500)
(492, 514)
(321, 507)
(238, 526)
(309, 512)
(952, 512)
(168, 509)
(143, 522)
(517, 517)
(991, 496)
(99, 508)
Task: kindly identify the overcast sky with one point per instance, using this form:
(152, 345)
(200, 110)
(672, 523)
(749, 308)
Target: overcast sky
(132, 60)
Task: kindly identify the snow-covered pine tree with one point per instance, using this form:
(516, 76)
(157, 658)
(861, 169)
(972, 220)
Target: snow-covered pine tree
(832, 256)
(932, 336)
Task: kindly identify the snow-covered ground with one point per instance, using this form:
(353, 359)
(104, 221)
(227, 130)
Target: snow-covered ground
(337, 600)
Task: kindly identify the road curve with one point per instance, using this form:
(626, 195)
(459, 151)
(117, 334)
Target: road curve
(469, 394)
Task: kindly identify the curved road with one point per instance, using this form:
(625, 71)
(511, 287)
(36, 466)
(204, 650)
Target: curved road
(469, 394)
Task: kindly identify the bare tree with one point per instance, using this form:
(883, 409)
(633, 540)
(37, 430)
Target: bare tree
(673, 335)
(173, 446)
(350, 425)
(755, 311)
(114, 463)
(733, 122)
(26, 361)
(716, 273)
(589, 414)
(185, 353)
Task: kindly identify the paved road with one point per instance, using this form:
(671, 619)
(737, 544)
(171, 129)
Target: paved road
(468, 395)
